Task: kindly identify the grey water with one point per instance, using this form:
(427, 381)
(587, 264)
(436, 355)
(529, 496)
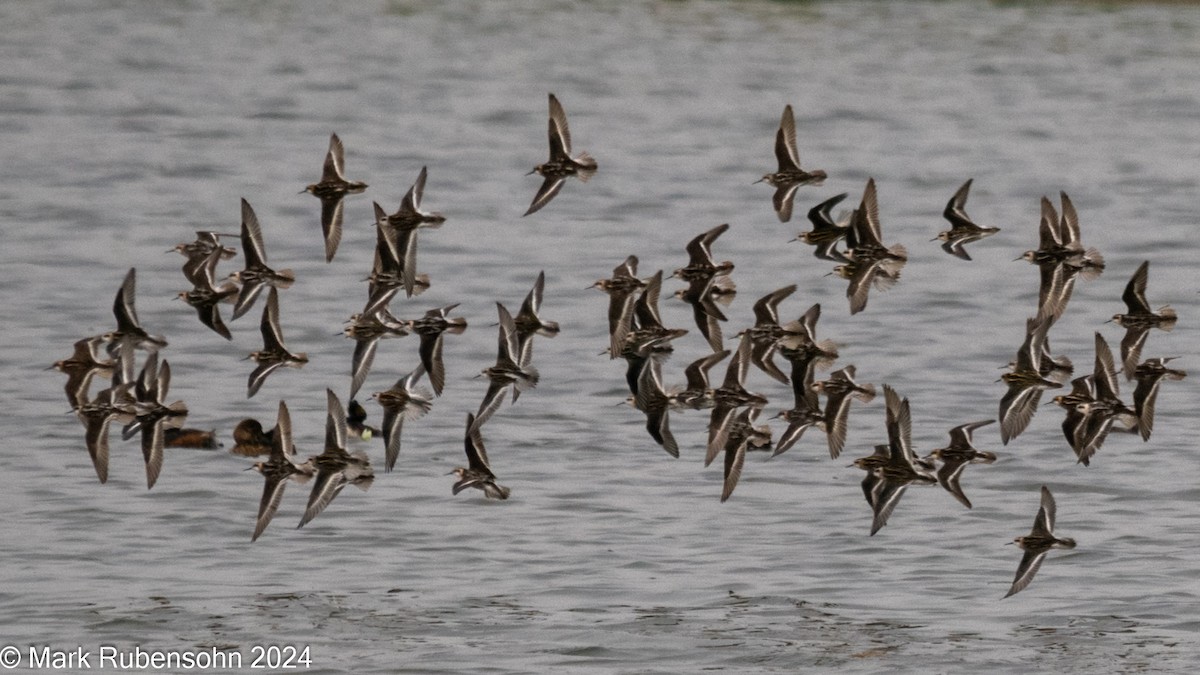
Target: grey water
(126, 126)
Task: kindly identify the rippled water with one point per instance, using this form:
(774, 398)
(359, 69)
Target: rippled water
(130, 125)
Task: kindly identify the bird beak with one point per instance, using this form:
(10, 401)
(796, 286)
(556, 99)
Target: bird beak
(935, 239)
(1018, 258)
(758, 181)
(531, 172)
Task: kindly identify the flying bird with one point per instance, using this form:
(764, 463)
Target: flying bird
(561, 164)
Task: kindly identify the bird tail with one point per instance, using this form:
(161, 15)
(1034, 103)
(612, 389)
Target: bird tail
(529, 381)
(867, 393)
(523, 383)
(285, 279)
(1095, 266)
(586, 166)
(1168, 318)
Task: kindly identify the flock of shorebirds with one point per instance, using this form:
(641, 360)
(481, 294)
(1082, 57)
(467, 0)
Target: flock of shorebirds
(637, 334)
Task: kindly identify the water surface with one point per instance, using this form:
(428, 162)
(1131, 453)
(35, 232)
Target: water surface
(129, 126)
